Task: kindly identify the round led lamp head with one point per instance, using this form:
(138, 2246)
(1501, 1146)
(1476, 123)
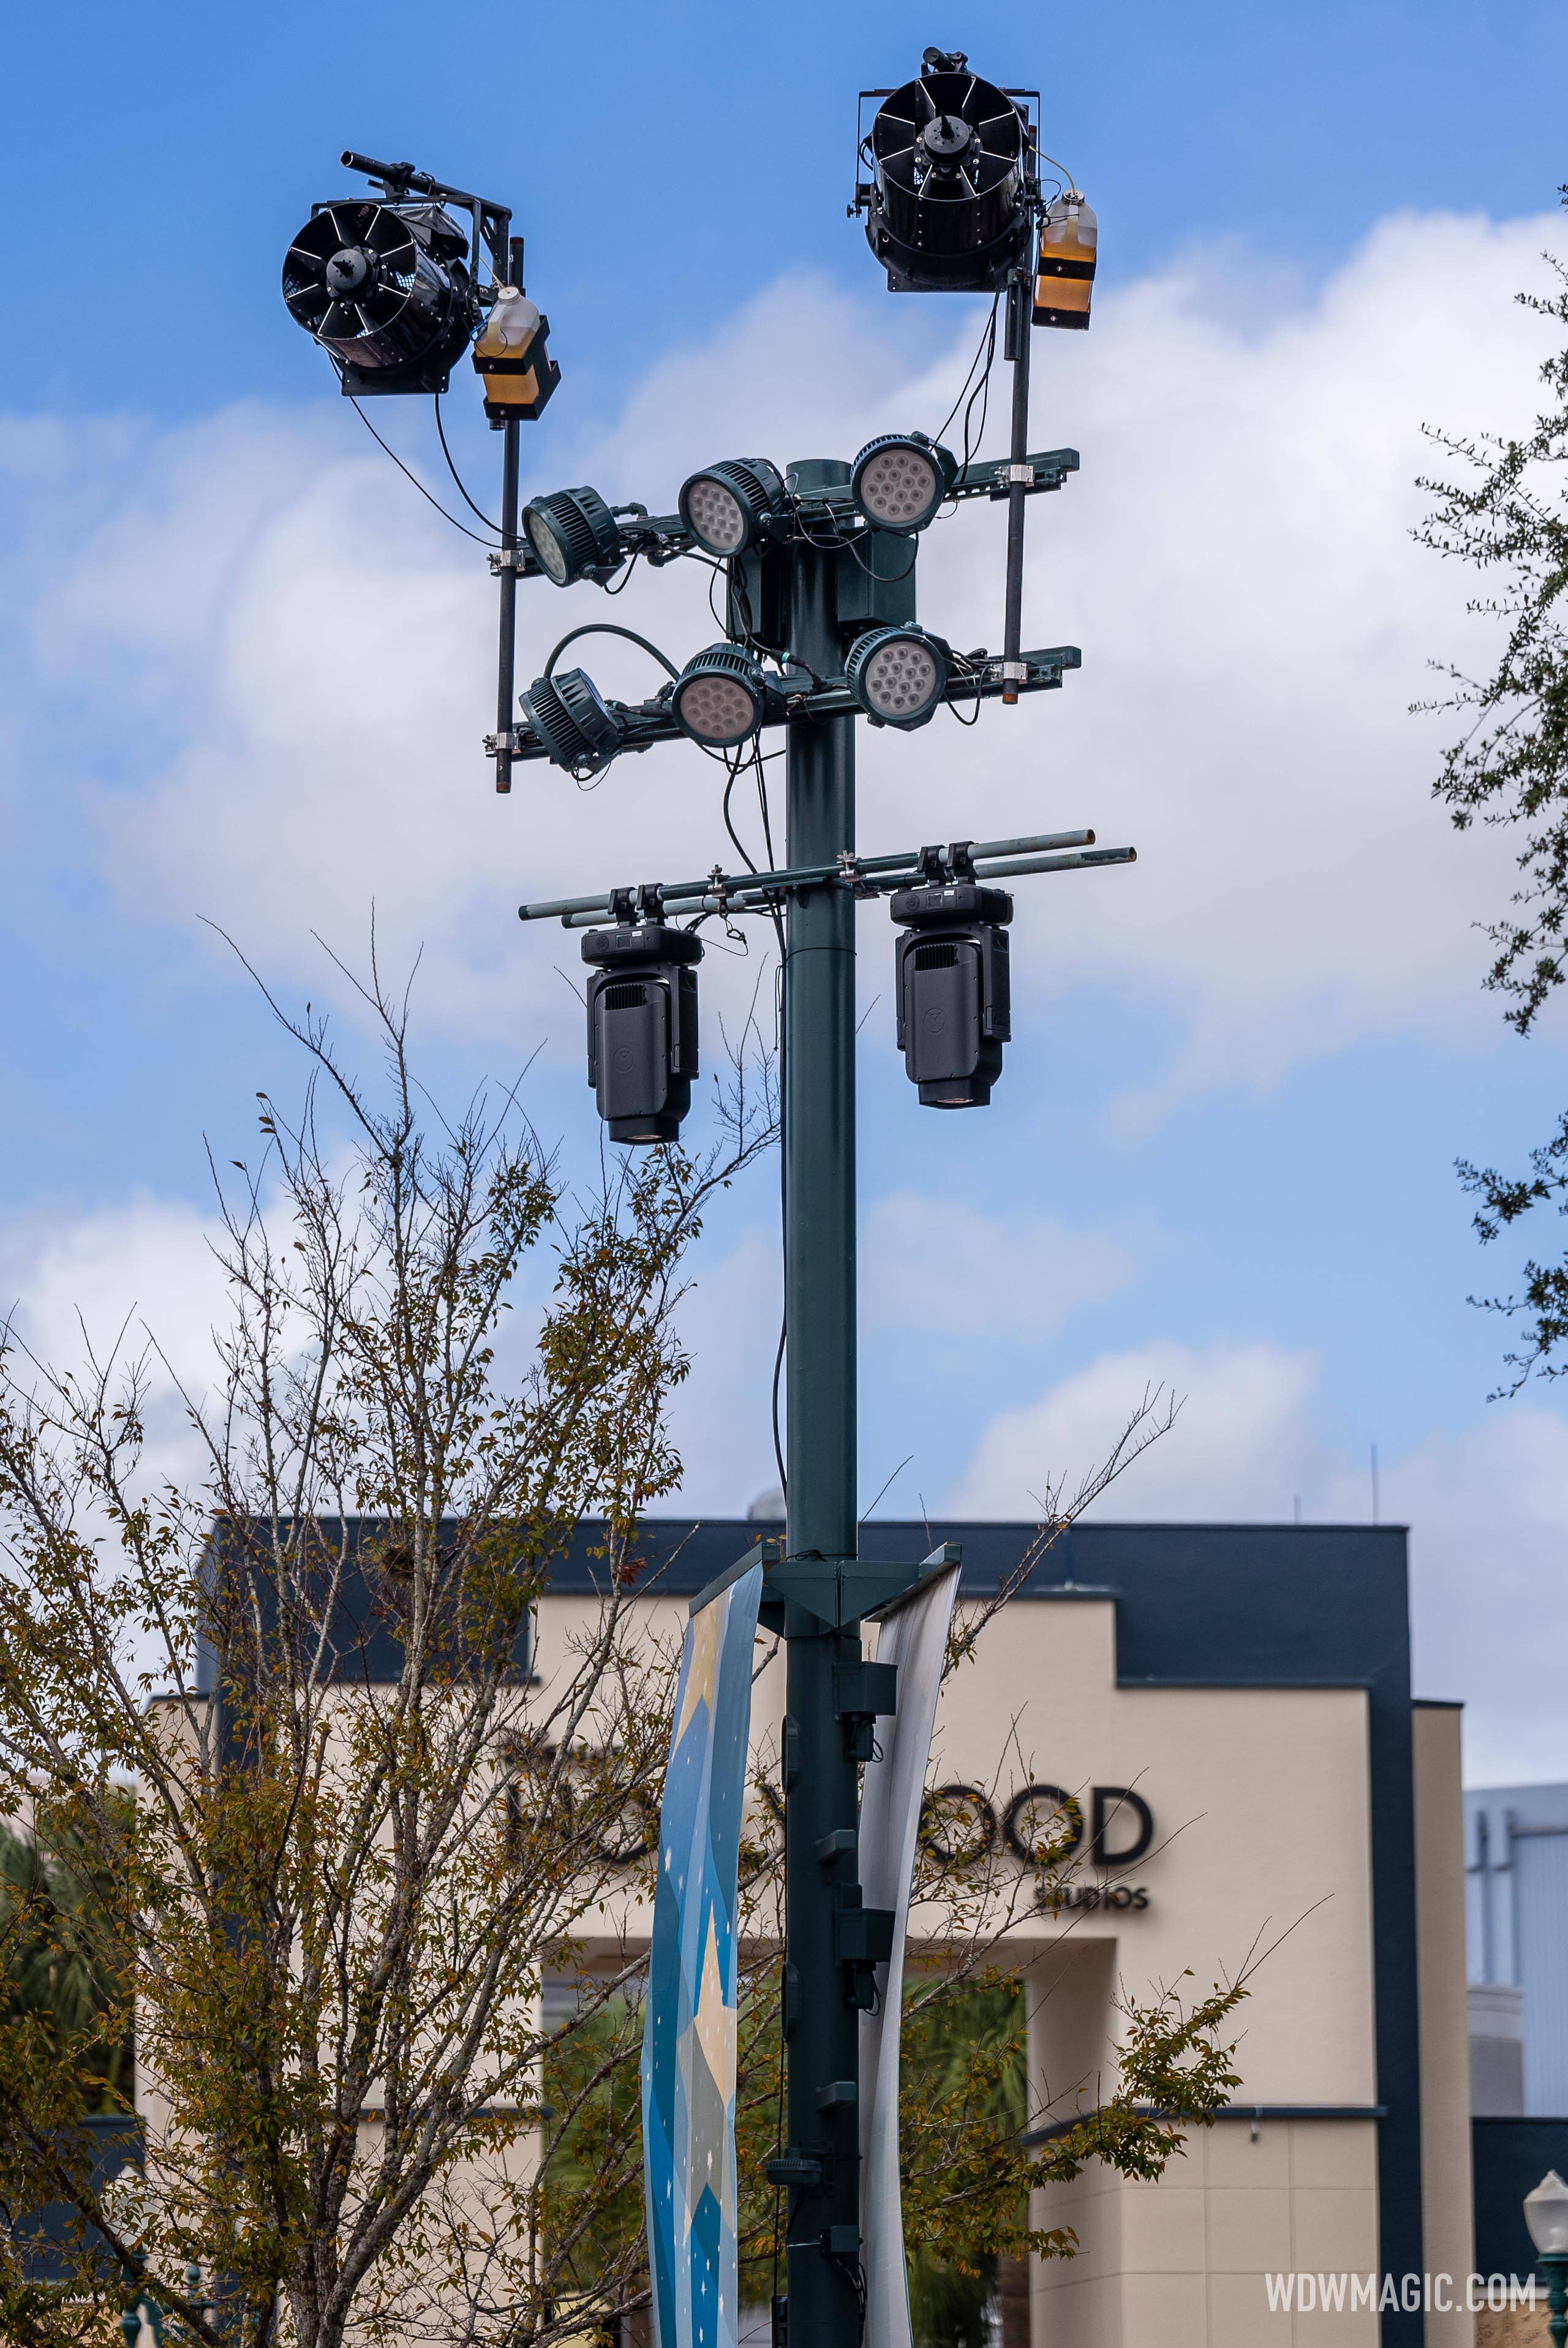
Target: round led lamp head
(725, 505)
(573, 535)
(720, 698)
(568, 714)
(898, 675)
(900, 479)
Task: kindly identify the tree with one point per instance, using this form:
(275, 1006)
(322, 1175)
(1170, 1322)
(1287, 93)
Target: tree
(1507, 518)
(327, 1907)
(332, 1906)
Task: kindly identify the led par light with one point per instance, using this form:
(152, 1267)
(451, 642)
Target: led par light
(898, 675)
(949, 205)
(641, 1027)
(568, 714)
(721, 697)
(386, 290)
(899, 480)
(725, 506)
(574, 535)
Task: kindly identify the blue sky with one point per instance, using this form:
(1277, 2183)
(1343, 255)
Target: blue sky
(244, 673)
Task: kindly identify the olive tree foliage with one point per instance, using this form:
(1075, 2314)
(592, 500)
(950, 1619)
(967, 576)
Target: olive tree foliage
(1504, 514)
(322, 1913)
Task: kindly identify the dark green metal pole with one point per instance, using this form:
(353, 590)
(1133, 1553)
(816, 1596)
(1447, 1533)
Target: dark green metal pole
(822, 2023)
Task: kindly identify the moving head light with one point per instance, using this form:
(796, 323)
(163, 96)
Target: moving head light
(387, 289)
(952, 985)
(642, 1026)
(950, 206)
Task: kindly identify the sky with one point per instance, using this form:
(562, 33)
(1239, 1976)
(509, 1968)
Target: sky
(244, 670)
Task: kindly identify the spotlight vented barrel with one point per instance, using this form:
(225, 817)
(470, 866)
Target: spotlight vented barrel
(574, 535)
(728, 505)
(949, 205)
(387, 289)
(568, 714)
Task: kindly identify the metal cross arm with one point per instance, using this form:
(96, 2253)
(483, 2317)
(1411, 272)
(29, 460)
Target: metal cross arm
(798, 513)
(637, 726)
(862, 876)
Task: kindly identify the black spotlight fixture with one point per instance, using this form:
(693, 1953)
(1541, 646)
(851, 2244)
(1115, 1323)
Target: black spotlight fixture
(899, 480)
(722, 696)
(952, 983)
(387, 289)
(949, 208)
(571, 717)
(642, 1026)
(727, 506)
(899, 675)
(574, 535)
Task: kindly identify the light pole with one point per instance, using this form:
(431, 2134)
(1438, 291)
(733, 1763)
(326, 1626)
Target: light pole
(1546, 2215)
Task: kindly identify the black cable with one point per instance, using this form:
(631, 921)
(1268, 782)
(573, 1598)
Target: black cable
(452, 468)
(609, 628)
(418, 484)
(625, 577)
(988, 345)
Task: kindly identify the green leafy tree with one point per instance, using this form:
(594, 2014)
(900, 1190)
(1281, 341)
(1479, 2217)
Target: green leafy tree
(1505, 516)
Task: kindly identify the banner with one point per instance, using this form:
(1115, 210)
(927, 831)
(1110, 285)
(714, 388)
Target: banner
(914, 1637)
(689, 2030)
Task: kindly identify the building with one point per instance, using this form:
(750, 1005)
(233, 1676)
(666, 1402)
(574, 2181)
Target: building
(1230, 1707)
(1516, 1909)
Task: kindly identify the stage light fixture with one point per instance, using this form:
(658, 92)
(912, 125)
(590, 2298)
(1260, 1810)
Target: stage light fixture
(899, 480)
(641, 1027)
(948, 209)
(727, 506)
(574, 535)
(1069, 250)
(387, 289)
(722, 696)
(898, 674)
(569, 714)
(953, 989)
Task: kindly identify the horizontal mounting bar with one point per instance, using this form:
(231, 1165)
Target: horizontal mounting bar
(660, 538)
(670, 889)
(647, 722)
(750, 898)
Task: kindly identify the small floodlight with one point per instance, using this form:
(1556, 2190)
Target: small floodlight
(569, 714)
(641, 1027)
(949, 208)
(725, 506)
(386, 288)
(898, 674)
(952, 987)
(899, 480)
(721, 697)
(574, 535)
(1069, 249)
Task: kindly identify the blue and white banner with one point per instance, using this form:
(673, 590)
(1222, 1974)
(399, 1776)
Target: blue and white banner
(689, 2032)
(914, 1637)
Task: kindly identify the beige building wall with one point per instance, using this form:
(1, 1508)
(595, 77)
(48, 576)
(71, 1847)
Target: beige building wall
(1446, 2202)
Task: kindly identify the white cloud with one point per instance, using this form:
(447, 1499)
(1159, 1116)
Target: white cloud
(925, 1260)
(1239, 1449)
(304, 657)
